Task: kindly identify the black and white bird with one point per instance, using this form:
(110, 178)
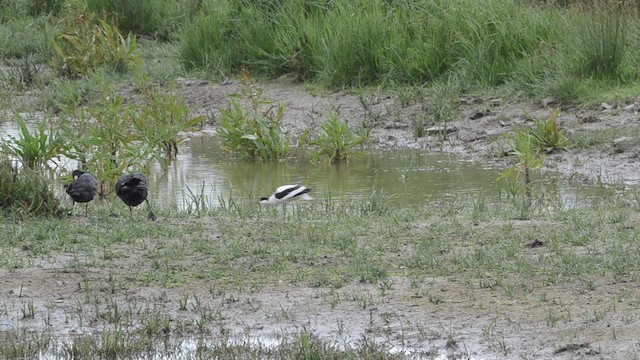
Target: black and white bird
(83, 188)
(132, 190)
(287, 193)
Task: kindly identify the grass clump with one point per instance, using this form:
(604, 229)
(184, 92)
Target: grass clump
(253, 131)
(602, 45)
(336, 140)
(159, 18)
(25, 191)
(546, 133)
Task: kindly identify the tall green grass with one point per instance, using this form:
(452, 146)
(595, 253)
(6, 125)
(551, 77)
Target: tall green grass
(354, 43)
(159, 18)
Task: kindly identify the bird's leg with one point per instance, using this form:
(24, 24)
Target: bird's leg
(86, 209)
(131, 210)
(73, 205)
(151, 216)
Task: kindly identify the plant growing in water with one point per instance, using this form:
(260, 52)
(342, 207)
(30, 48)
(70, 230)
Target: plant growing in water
(163, 117)
(253, 131)
(33, 150)
(336, 140)
(527, 159)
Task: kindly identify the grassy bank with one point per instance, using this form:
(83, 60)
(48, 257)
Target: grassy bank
(572, 50)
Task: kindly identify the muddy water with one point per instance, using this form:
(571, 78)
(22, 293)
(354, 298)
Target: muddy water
(406, 177)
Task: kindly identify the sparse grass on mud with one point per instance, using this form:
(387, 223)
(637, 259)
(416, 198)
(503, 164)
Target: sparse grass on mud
(228, 254)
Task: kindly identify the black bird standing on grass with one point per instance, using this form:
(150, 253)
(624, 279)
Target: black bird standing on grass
(82, 189)
(132, 189)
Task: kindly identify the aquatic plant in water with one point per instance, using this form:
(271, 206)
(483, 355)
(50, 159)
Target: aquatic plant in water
(34, 150)
(253, 131)
(336, 140)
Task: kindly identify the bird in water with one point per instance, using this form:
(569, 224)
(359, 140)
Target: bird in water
(287, 193)
(132, 190)
(82, 189)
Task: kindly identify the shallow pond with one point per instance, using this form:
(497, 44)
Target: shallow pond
(405, 177)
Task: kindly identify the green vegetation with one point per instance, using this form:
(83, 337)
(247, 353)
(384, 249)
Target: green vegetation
(161, 120)
(546, 133)
(485, 44)
(85, 44)
(336, 140)
(33, 150)
(527, 147)
(252, 131)
(565, 49)
(24, 191)
(95, 64)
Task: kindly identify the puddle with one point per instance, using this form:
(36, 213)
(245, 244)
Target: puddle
(406, 177)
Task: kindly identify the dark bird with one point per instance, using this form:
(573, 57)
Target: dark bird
(82, 189)
(132, 189)
(286, 193)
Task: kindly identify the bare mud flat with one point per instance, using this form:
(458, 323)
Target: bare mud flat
(440, 318)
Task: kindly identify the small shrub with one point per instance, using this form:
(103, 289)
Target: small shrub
(336, 140)
(253, 132)
(527, 158)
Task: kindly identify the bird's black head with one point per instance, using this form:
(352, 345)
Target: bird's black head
(76, 173)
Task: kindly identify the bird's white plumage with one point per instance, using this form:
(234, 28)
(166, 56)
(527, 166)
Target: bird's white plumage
(287, 193)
